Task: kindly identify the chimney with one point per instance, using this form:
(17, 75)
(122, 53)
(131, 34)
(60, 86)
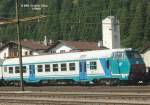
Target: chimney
(50, 41)
(100, 43)
(1, 44)
(45, 40)
(25, 39)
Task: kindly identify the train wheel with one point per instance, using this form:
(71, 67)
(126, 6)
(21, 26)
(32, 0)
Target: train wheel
(108, 82)
(111, 82)
(71, 82)
(115, 82)
(17, 83)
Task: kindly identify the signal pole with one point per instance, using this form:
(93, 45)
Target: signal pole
(19, 46)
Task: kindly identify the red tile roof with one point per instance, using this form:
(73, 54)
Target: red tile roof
(33, 45)
(75, 45)
(83, 45)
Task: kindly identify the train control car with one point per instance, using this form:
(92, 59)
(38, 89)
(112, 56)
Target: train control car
(99, 67)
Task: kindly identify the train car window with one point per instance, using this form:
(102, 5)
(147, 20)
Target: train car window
(40, 68)
(24, 69)
(10, 70)
(55, 67)
(93, 65)
(47, 68)
(72, 66)
(63, 67)
(5, 69)
(17, 69)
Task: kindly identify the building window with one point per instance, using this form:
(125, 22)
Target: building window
(10, 70)
(5, 69)
(93, 65)
(71, 66)
(55, 67)
(15, 54)
(30, 52)
(17, 69)
(63, 67)
(25, 53)
(24, 70)
(62, 51)
(4, 55)
(53, 51)
(10, 54)
(39, 68)
(47, 68)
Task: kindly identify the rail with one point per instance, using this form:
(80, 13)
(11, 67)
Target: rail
(74, 98)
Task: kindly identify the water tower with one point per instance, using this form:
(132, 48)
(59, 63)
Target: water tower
(111, 32)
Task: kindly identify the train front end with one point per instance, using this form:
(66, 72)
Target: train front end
(137, 66)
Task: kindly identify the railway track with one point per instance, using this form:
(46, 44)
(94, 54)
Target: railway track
(72, 102)
(77, 95)
(80, 88)
(73, 98)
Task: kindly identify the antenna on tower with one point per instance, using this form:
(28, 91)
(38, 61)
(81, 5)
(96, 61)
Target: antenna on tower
(110, 11)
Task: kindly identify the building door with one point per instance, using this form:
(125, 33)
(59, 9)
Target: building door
(31, 72)
(83, 73)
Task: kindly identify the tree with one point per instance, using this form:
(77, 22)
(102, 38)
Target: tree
(147, 26)
(136, 31)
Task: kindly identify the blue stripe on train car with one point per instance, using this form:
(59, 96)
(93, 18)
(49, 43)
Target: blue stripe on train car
(103, 62)
(39, 78)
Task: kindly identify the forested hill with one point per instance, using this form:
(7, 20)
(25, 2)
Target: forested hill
(79, 20)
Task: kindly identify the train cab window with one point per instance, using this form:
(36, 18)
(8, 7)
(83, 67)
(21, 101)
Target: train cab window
(118, 55)
(17, 69)
(72, 66)
(10, 70)
(63, 67)
(133, 54)
(5, 69)
(24, 69)
(93, 65)
(55, 67)
(47, 68)
(40, 68)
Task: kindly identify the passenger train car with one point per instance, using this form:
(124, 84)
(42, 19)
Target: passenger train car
(99, 67)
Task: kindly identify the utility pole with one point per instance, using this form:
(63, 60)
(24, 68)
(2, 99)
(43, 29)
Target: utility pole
(17, 21)
(19, 45)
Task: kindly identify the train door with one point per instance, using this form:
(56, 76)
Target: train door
(31, 72)
(106, 67)
(83, 73)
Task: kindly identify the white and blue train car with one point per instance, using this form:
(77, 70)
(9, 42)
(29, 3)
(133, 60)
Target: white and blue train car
(100, 66)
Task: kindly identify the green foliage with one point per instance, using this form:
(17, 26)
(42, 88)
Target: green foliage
(80, 20)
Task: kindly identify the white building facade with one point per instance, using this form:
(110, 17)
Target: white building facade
(60, 48)
(146, 58)
(5, 53)
(10, 50)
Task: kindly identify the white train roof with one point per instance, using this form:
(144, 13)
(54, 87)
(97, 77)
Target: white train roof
(63, 57)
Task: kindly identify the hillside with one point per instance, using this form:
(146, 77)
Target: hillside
(80, 20)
